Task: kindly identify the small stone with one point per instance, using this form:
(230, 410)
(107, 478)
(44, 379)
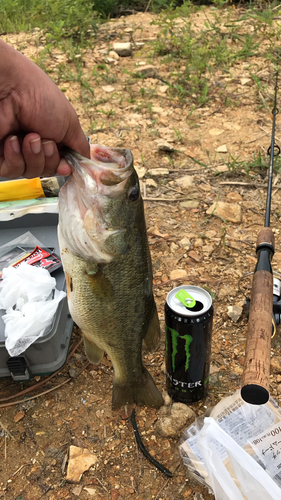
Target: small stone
(221, 168)
(275, 365)
(195, 256)
(77, 490)
(73, 372)
(90, 491)
(215, 131)
(185, 243)
(113, 55)
(229, 211)
(234, 312)
(19, 416)
(233, 196)
(147, 71)
(80, 460)
(221, 149)
(123, 49)
(173, 247)
(205, 187)
(279, 389)
(163, 88)
(198, 243)
(207, 248)
(158, 171)
(185, 182)
(245, 81)
(141, 171)
(178, 273)
(173, 419)
(108, 88)
(151, 183)
(164, 146)
(189, 204)
(210, 233)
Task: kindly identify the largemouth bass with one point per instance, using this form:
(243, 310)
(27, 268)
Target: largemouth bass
(107, 264)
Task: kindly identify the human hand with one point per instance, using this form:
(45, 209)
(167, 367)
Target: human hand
(36, 120)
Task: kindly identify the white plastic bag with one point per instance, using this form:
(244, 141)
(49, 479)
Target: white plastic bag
(252, 482)
(29, 296)
(234, 449)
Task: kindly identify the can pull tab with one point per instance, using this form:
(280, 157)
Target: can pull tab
(185, 299)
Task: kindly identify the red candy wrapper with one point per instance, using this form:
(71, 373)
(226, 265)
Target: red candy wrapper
(38, 257)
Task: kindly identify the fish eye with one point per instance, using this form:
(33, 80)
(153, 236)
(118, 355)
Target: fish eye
(133, 194)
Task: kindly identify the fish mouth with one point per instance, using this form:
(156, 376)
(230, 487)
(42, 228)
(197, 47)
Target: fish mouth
(105, 175)
(107, 166)
(92, 186)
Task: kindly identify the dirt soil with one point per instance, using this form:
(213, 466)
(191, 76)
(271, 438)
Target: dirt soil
(188, 246)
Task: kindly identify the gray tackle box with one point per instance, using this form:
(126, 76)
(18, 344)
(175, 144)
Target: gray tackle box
(48, 353)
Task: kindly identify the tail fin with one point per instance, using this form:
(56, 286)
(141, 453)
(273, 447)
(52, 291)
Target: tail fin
(143, 393)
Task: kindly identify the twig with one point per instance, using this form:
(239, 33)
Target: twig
(249, 184)
(45, 392)
(13, 475)
(268, 133)
(166, 199)
(6, 431)
(256, 139)
(64, 463)
(144, 189)
(173, 189)
(148, 5)
(102, 485)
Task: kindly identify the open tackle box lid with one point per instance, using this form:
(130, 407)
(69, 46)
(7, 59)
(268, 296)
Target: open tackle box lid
(48, 353)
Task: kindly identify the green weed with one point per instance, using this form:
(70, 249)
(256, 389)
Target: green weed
(58, 18)
(197, 54)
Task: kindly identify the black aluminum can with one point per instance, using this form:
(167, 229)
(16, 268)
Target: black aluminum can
(188, 324)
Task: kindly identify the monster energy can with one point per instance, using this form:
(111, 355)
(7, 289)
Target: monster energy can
(188, 321)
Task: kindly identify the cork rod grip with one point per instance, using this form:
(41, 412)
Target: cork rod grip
(255, 385)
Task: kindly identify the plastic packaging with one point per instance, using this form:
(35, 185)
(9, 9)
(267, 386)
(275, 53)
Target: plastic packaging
(235, 450)
(27, 249)
(29, 296)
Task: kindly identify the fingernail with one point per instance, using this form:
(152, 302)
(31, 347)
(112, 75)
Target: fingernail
(35, 146)
(15, 145)
(48, 148)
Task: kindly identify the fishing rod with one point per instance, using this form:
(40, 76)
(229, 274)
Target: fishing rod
(255, 383)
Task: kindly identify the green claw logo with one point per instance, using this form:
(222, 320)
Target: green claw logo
(188, 339)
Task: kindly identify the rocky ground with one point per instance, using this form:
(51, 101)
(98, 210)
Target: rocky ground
(204, 209)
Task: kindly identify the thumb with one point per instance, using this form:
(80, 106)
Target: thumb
(75, 138)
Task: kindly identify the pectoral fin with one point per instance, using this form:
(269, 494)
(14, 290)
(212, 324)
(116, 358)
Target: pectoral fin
(93, 352)
(152, 336)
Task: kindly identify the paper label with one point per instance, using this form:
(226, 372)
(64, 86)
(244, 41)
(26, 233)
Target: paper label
(267, 446)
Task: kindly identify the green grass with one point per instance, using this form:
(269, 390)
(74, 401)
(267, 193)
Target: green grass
(191, 53)
(201, 52)
(74, 19)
